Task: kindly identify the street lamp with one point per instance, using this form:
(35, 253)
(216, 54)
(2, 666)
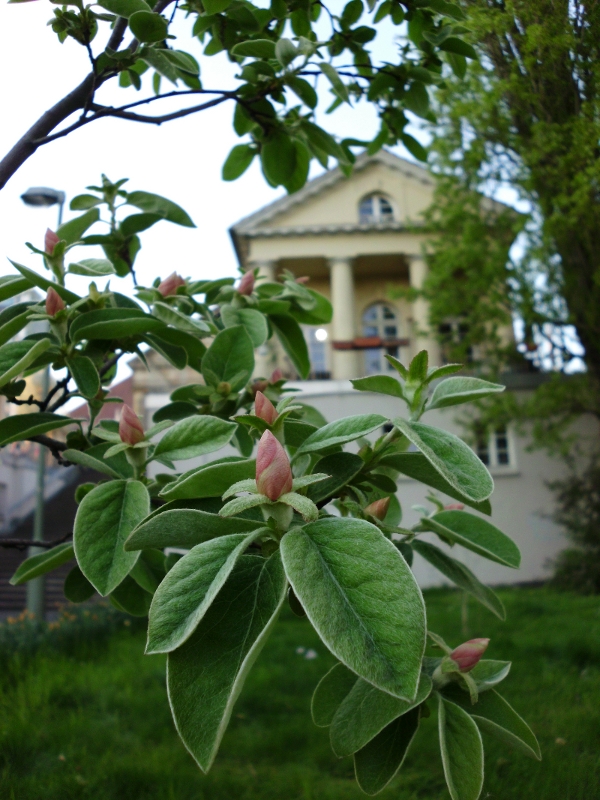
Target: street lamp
(41, 197)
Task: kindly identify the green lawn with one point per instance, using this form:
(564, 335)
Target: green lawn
(91, 720)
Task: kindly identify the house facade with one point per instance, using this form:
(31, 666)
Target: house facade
(359, 240)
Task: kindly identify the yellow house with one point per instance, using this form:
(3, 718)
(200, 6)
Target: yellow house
(355, 239)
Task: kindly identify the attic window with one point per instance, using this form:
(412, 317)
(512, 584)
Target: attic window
(375, 208)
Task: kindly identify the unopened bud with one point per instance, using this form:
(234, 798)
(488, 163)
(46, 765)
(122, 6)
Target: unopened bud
(246, 285)
(276, 376)
(303, 279)
(273, 471)
(265, 409)
(131, 429)
(379, 508)
(467, 655)
(54, 302)
(454, 507)
(50, 241)
(171, 284)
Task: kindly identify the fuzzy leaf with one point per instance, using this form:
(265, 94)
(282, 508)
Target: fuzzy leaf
(194, 436)
(476, 534)
(184, 527)
(462, 751)
(41, 563)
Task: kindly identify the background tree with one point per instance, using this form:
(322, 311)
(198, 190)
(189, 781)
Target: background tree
(526, 117)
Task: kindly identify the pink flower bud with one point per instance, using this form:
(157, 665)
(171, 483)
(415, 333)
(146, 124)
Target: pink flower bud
(171, 284)
(454, 507)
(467, 655)
(276, 376)
(379, 508)
(303, 279)
(54, 302)
(264, 408)
(273, 471)
(50, 241)
(131, 429)
(246, 285)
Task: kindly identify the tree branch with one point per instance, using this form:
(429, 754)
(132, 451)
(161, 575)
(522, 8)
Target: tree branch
(24, 544)
(55, 447)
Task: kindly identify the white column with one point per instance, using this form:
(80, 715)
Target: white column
(266, 356)
(345, 362)
(421, 337)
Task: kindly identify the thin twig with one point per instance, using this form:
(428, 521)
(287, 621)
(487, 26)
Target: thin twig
(61, 384)
(55, 447)
(109, 364)
(24, 544)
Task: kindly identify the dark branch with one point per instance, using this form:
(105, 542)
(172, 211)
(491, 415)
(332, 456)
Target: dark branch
(31, 401)
(55, 447)
(62, 384)
(109, 364)
(24, 544)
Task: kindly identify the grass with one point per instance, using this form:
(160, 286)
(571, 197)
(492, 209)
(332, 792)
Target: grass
(90, 720)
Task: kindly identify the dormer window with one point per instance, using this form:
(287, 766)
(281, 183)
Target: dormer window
(375, 208)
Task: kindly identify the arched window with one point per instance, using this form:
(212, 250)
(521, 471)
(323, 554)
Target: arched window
(375, 208)
(381, 320)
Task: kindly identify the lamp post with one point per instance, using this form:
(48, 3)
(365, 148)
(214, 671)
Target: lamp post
(41, 197)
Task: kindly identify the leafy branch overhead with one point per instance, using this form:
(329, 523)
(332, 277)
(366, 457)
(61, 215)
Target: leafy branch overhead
(288, 507)
(290, 57)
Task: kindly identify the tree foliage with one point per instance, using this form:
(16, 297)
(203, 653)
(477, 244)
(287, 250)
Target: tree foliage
(524, 117)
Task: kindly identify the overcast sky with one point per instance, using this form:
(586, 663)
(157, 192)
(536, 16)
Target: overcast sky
(181, 160)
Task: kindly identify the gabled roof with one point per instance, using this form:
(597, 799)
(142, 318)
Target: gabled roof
(252, 225)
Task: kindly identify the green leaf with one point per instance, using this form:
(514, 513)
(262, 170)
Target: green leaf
(13, 319)
(84, 201)
(129, 596)
(44, 562)
(89, 462)
(291, 337)
(414, 147)
(148, 27)
(476, 534)
(329, 694)
(92, 267)
(172, 316)
(416, 99)
(172, 353)
(458, 64)
(342, 467)
(194, 436)
(211, 480)
(113, 323)
(216, 6)
(362, 599)
(205, 676)
(73, 230)
(193, 347)
(238, 161)
(337, 84)
(253, 321)
(455, 45)
(189, 589)
(155, 58)
(185, 527)
(15, 357)
(77, 588)
(378, 762)
(462, 751)
(286, 52)
(382, 384)
(342, 431)
(366, 711)
(105, 518)
(495, 716)
(303, 90)
(454, 391)
(489, 673)
(85, 375)
(451, 457)
(44, 284)
(230, 358)
(305, 507)
(461, 575)
(155, 204)
(416, 466)
(11, 285)
(23, 426)
(278, 158)
(124, 8)
(255, 48)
